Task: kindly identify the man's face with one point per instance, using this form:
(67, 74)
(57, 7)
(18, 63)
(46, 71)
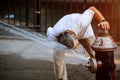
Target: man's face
(76, 42)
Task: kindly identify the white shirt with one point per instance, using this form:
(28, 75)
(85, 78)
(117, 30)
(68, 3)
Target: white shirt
(80, 24)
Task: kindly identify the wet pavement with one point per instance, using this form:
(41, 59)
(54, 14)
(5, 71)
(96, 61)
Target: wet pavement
(21, 59)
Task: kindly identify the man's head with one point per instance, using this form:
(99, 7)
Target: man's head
(68, 39)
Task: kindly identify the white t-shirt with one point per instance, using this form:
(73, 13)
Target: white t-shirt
(80, 24)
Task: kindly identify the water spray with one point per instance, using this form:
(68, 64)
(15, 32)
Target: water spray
(43, 41)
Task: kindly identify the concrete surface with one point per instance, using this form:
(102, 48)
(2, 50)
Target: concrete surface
(24, 59)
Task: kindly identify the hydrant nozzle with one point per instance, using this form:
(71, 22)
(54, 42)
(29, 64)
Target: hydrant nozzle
(93, 65)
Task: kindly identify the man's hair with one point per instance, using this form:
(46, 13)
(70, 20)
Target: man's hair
(67, 39)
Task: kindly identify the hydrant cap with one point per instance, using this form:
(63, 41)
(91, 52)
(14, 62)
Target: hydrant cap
(103, 42)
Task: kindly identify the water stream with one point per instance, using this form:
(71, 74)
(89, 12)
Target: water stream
(44, 41)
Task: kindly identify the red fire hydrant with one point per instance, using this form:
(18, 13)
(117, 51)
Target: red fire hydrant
(103, 64)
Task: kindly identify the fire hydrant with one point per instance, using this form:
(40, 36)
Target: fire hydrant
(103, 64)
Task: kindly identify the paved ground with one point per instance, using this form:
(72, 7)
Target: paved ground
(23, 59)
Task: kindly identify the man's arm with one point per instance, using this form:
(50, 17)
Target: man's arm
(98, 16)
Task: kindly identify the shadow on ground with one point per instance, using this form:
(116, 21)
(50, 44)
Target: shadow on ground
(14, 67)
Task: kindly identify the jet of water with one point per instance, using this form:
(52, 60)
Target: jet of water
(42, 40)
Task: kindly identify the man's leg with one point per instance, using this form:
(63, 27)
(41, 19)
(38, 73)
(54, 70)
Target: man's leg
(59, 65)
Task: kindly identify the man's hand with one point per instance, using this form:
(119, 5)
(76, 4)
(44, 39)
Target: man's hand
(100, 18)
(104, 25)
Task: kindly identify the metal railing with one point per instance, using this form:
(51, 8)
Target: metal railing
(40, 14)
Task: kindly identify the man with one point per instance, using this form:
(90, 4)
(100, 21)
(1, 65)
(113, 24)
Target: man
(71, 30)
